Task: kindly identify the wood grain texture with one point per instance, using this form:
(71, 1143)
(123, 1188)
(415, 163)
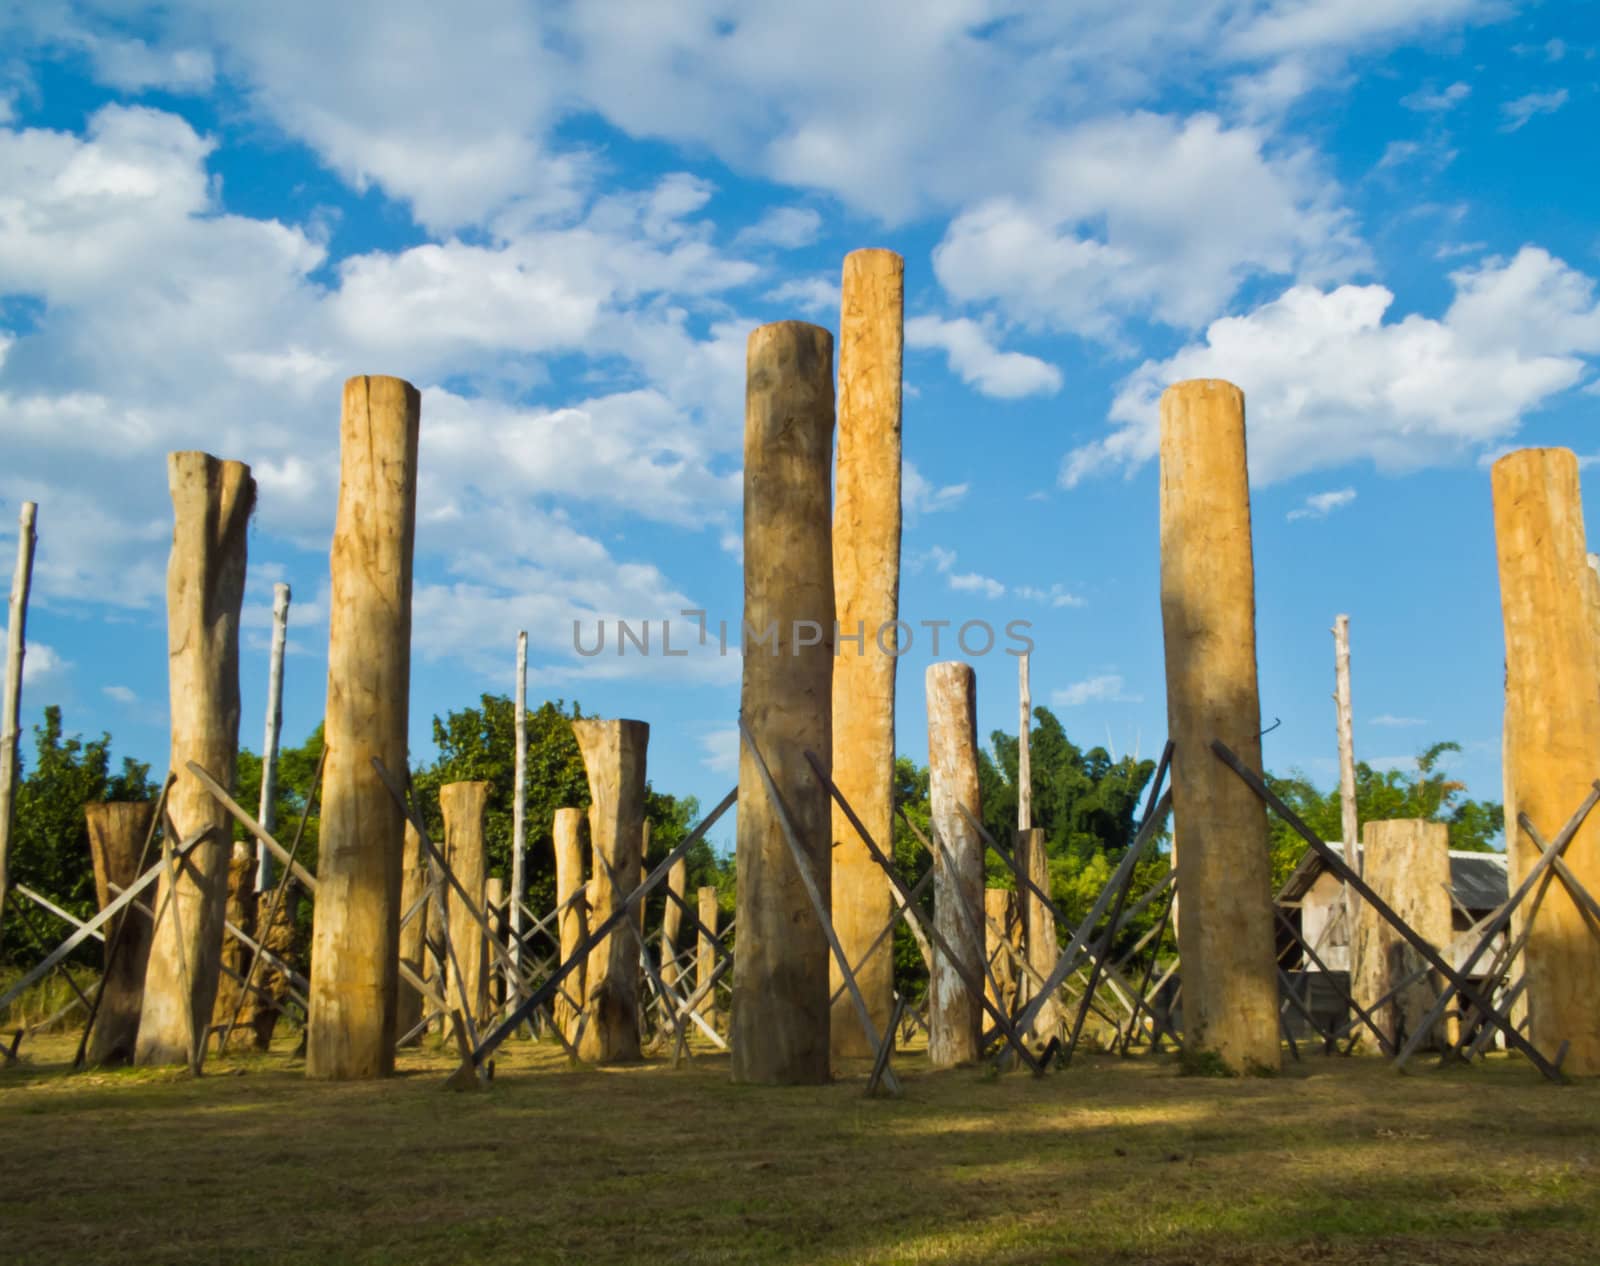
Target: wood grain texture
(955, 1016)
(117, 831)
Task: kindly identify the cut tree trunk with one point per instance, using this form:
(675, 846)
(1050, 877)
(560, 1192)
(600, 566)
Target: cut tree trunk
(1038, 927)
(1226, 937)
(779, 1024)
(414, 880)
(706, 953)
(866, 586)
(117, 832)
(614, 756)
(1552, 732)
(1002, 939)
(463, 804)
(1407, 863)
(211, 502)
(573, 920)
(355, 940)
(672, 921)
(955, 1016)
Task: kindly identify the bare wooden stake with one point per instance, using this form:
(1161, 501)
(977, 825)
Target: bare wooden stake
(519, 823)
(11, 710)
(1024, 758)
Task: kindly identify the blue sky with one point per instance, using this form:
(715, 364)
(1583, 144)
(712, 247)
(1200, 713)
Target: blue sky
(561, 222)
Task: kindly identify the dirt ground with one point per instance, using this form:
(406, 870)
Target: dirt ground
(1111, 1161)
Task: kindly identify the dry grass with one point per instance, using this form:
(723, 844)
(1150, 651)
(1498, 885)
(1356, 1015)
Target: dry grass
(1111, 1162)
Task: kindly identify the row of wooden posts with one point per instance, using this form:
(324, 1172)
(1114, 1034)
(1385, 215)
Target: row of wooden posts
(812, 979)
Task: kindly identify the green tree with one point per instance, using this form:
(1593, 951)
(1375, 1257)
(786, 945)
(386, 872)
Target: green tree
(50, 840)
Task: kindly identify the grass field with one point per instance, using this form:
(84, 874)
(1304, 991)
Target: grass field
(1109, 1162)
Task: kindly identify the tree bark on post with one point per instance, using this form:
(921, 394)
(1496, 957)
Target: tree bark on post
(1226, 937)
(117, 832)
(672, 921)
(11, 708)
(779, 1024)
(955, 1016)
(211, 502)
(614, 757)
(1038, 926)
(572, 922)
(705, 963)
(1552, 731)
(414, 879)
(1408, 865)
(355, 941)
(866, 586)
(462, 805)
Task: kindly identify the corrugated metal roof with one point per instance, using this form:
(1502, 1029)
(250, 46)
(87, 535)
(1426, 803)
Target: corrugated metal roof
(1478, 879)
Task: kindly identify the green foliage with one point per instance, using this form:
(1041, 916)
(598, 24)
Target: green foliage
(50, 840)
(1426, 792)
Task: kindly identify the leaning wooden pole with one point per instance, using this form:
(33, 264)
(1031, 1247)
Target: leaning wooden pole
(211, 502)
(117, 832)
(614, 754)
(356, 920)
(866, 586)
(1225, 937)
(779, 1024)
(519, 810)
(11, 708)
(1552, 732)
(955, 1017)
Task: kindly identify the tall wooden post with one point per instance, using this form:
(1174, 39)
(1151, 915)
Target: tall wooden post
(1349, 829)
(866, 586)
(267, 815)
(117, 832)
(211, 502)
(1230, 987)
(497, 983)
(1408, 865)
(573, 922)
(1002, 935)
(955, 1019)
(672, 921)
(1024, 737)
(1039, 926)
(780, 974)
(519, 801)
(355, 941)
(462, 804)
(415, 875)
(614, 756)
(11, 708)
(705, 962)
(1552, 732)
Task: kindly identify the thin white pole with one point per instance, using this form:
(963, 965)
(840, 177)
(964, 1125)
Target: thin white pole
(519, 824)
(11, 720)
(267, 815)
(1024, 761)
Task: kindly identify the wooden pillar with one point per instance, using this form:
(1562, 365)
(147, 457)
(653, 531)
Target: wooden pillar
(414, 879)
(573, 921)
(706, 956)
(496, 982)
(780, 975)
(241, 912)
(1552, 732)
(1024, 745)
(117, 832)
(1038, 926)
(614, 756)
(211, 502)
(462, 804)
(1230, 987)
(1002, 934)
(672, 921)
(866, 586)
(11, 707)
(1407, 863)
(355, 940)
(955, 1014)
(519, 801)
(267, 813)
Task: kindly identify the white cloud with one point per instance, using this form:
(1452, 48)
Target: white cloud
(1427, 100)
(787, 228)
(1146, 215)
(720, 750)
(1055, 597)
(973, 582)
(1105, 688)
(122, 694)
(1319, 505)
(41, 664)
(919, 495)
(1517, 113)
(1328, 381)
(1387, 720)
(815, 296)
(975, 359)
